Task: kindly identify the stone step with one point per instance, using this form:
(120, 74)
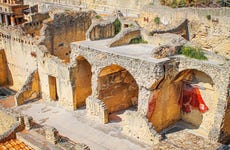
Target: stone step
(36, 141)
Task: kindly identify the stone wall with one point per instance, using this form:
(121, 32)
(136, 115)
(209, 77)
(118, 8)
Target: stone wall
(34, 24)
(210, 34)
(117, 88)
(63, 29)
(49, 65)
(97, 108)
(30, 90)
(125, 36)
(19, 49)
(217, 99)
(182, 30)
(144, 77)
(80, 74)
(128, 6)
(11, 123)
(101, 30)
(225, 127)
(4, 71)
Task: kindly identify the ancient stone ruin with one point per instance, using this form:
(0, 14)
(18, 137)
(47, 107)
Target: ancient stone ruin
(103, 63)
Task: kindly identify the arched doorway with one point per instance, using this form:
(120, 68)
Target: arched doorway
(117, 88)
(81, 77)
(189, 96)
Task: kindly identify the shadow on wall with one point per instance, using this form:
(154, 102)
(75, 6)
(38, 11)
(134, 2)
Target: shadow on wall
(225, 128)
(5, 74)
(117, 89)
(178, 98)
(30, 91)
(81, 78)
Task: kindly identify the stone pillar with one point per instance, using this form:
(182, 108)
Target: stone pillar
(28, 120)
(1, 21)
(6, 20)
(12, 20)
(143, 98)
(51, 135)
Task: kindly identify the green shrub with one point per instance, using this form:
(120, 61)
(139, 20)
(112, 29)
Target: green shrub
(157, 20)
(193, 52)
(209, 17)
(98, 17)
(117, 25)
(174, 4)
(138, 41)
(182, 3)
(131, 25)
(151, 3)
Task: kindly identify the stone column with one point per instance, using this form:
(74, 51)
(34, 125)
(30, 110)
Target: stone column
(51, 135)
(144, 94)
(28, 122)
(1, 19)
(6, 20)
(12, 20)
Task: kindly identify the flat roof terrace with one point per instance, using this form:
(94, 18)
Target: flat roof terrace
(136, 51)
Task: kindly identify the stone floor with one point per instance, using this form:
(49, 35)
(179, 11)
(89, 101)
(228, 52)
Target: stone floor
(77, 126)
(8, 102)
(14, 145)
(184, 140)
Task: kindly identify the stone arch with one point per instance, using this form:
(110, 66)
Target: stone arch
(170, 98)
(117, 88)
(81, 78)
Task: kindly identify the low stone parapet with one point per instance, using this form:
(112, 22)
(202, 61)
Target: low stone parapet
(125, 36)
(17, 124)
(97, 108)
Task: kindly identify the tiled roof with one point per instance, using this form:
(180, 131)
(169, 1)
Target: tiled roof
(14, 145)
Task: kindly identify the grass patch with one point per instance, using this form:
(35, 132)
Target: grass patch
(193, 52)
(131, 25)
(98, 17)
(209, 17)
(157, 20)
(117, 25)
(67, 9)
(138, 41)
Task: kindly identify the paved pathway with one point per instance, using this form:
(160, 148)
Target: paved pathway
(79, 128)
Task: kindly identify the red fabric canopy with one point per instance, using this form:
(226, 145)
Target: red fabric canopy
(191, 98)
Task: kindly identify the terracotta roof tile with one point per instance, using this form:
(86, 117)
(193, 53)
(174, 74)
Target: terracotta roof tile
(14, 145)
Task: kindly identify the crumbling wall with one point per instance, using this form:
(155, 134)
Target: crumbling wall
(117, 88)
(5, 76)
(164, 100)
(101, 30)
(20, 52)
(137, 125)
(30, 90)
(144, 77)
(34, 23)
(11, 123)
(211, 34)
(166, 108)
(126, 7)
(225, 128)
(62, 29)
(49, 65)
(97, 108)
(81, 78)
(124, 37)
(181, 29)
(214, 94)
